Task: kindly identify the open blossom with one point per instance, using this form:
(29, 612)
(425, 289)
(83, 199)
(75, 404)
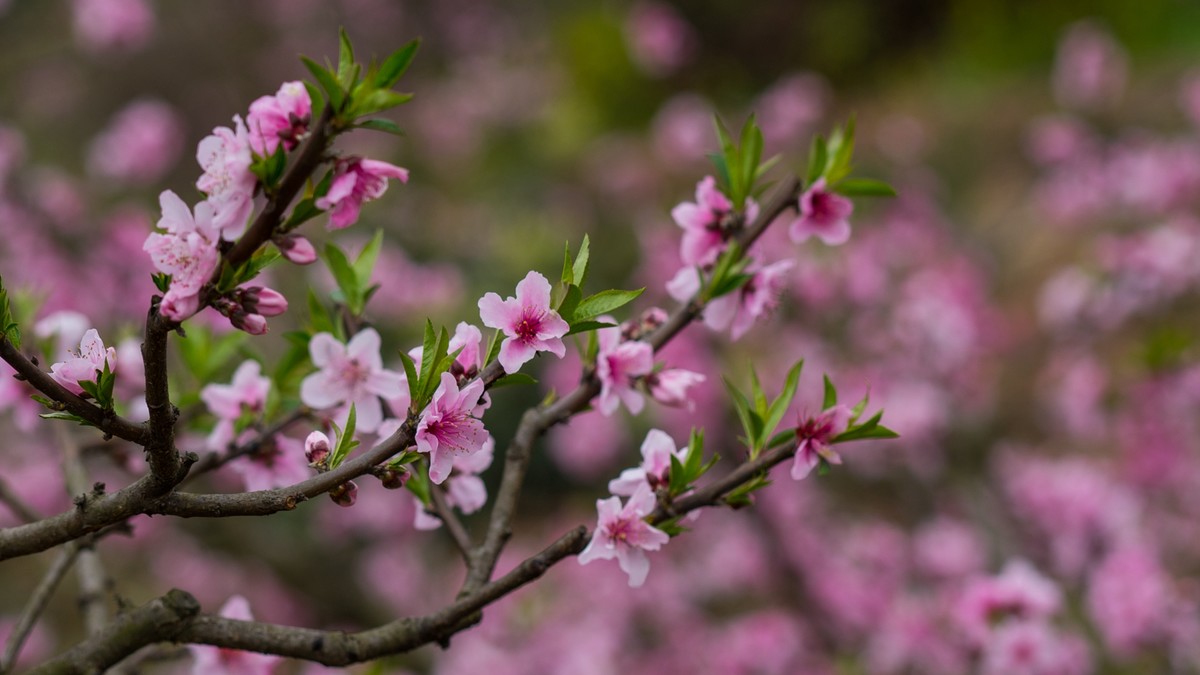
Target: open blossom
(356, 180)
(815, 436)
(704, 235)
(227, 402)
(222, 661)
(447, 428)
(113, 25)
(657, 450)
(283, 117)
(823, 214)
(739, 309)
(85, 365)
(618, 365)
(188, 252)
(350, 373)
(465, 490)
(1019, 592)
(66, 326)
(670, 386)
(530, 326)
(278, 462)
(622, 534)
(140, 144)
(225, 157)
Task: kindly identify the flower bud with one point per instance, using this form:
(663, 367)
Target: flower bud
(296, 249)
(254, 324)
(316, 448)
(178, 308)
(394, 479)
(264, 301)
(344, 494)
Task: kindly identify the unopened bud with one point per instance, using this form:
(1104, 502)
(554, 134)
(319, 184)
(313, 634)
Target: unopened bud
(316, 448)
(178, 308)
(254, 324)
(296, 249)
(264, 301)
(344, 494)
(394, 479)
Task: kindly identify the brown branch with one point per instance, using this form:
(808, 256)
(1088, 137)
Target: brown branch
(536, 421)
(216, 460)
(37, 604)
(160, 619)
(108, 422)
(454, 526)
(171, 618)
(713, 493)
(165, 463)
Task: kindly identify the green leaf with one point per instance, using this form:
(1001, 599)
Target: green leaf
(604, 302)
(858, 408)
(386, 126)
(343, 273)
(818, 157)
(333, 91)
(315, 95)
(570, 303)
(394, 66)
(751, 152)
(345, 70)
(695, 455)
(780, 438)
(418, 484)
(11, 331)
(513, 378)
(780, 405)
(740, 496)
(864, 187)
(320, 318)
(579, 270)
(568, 275)
(760, 398)
(722, 171)
(70, 417)
(303, 212)
(380, 100)
(161, 281)
(364, 264)
(677, 479)
(346, 441)
(410, 373)
(751, 423)
(433, 352)
(841, 149)
(830, 399)
(494, 347)
(585, 326)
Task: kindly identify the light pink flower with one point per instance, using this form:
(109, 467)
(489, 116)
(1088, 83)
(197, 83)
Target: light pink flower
(1130, 599)
(470, 360)
(282, 117)
(350, 373)
(618, 365)
(140, 144)
(227, 180)
(220, 661)
(1091, 67)
(622, 534)
(1033, 648)
(465, 490)
(657, 450)
(527, 321)
(1018, 592)
(86, 365)
(739, 309)
(66, 326)
(188, 252)
(227, 402)
(279, 462)
(702, 221)
(671, 385)
(815, 435)
(177, 307)
(824, 214)
(660, 40)
(357, 180)
(316, 447)
(447, 429)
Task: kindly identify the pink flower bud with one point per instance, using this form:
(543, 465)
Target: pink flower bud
(178, 308)
(266, 301)
(393, 479)
(254, 324)
(344, 494)
(316, 448)
(296, 249)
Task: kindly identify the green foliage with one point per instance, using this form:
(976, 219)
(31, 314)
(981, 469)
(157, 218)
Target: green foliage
(760, 416)
(8, 325)
(684, 474)
(354, 279)
(346, 441)
(232, 277)
(578, 311)
(206, 354)
(739, 166)
(353, 95)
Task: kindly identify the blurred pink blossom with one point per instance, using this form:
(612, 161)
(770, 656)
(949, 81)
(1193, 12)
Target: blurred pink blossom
(113, 25)
(140, 144)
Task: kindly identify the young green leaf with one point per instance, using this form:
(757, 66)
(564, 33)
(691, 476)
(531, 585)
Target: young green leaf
(830, 399)
(864, 187)
(604, 302)
(410, 374)
(386, 126)
(568, 273)
(394, 66)
(760, 398)
(818, 157)
(333, 90)
(345, 70)
(364, 264)
(579, 270)
(513, 378)
(585, 326)
(343, 273)
(780, 405)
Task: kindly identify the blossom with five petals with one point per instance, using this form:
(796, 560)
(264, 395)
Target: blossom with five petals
(85, 365)
(351, 373)
(657, 450)
(815, 437)
(283, 117)
(527, 321)
(704, 234)
(622, 533)
(824, 214)
(227, 180)
(227, 402)
(356, 180)
(618, 365)
(447, 428)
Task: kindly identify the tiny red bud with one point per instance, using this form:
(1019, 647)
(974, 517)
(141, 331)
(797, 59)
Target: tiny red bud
(344, 494)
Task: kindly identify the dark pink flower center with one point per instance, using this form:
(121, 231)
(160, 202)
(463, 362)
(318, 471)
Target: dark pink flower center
(530, 324)
(620, 530)
(818, 429)
(453, 430)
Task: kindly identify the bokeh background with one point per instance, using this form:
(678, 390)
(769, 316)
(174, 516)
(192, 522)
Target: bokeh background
(1024, 312)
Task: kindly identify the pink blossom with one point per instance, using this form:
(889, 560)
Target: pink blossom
(221, 661)
(619, 364)
(297, 249)
(86, 364)
(227, 402)
(704, 223)
(527, 321)
(140, 144)
(660, 40)
(282, 117)
(657, 450)
(225, 157)
(113, 25)
(739, 309)
(1018, 592)
(177, 307)
(278, 462)
(66, 326)
(1034, 648)
(1130, 600)
(814, 440)
(1091, 67)
(316, 448)
(356, 180)
(622, 533)
(188, 252)
(465, 490)
(671, 385)
(350, 373)
(470, 360)
(447, 429)
(823, 213)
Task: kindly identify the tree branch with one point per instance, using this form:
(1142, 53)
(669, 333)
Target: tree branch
(165, 463)
(454, 526)
(108, 422)
(37, 604)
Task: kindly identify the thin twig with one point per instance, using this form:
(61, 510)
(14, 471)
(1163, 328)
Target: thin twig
(216, 460)
(454, 526)
(18, 506)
